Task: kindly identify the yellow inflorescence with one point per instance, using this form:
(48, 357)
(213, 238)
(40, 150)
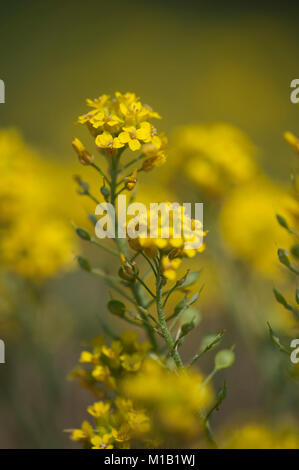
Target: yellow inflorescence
(249, 226)
(157, 233)
(260, 436)
(130, 412)
(123, 122)
(215, 157)
(34, 243)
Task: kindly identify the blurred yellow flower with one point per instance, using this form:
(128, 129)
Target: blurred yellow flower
(260, 436)
(37, 248)
(249, 226)
(35, 240)
(216, 157)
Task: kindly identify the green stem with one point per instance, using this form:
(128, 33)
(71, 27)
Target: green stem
(101, 172)
(165, 331)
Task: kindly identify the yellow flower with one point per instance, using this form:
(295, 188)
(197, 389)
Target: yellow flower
(130, 181)
(118, 122)
(107, 141)
(169, 267)
(215, 157)
(86, 356)
(84, 156)
(38, 248)
(131, 362)
(102, 442)
(155, 153)
(83, 434)
(135, 136)
(249, 226)
(163, 236)
(260, 436)
(99, 409)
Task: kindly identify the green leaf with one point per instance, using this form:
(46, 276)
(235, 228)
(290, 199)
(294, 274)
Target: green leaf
(283, 258)
(191, 315)
(275, 339)
(117, 308)
(83, 263)
(224, 359)
(93, 219)
(295, 250)
(195, 297)
(280, 298)
(82, 233)
(190, 280)
(282, 221)
(297, 296)
(180, 306)
(221, 395)
(105, 191)
(210, 341)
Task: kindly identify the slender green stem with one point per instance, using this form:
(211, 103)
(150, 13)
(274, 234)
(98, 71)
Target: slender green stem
(145, 286)
(135, 160)
(140, 301)
(101, 172)
(164, 329)
(104, 247)
(209, 377)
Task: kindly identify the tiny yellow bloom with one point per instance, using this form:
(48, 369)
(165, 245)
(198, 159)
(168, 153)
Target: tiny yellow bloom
(107, 141)
(130, 181)
(169, 267)
(99, 409)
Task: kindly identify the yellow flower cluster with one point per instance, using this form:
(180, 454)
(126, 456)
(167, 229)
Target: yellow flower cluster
(249, 226)
(216, 157)
(261, 436)
(108, 364)
(123, 122)
(174, 400)
(139, 398)
(33, 243)
(170, 232)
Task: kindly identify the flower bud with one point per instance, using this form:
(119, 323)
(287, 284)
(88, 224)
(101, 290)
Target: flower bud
(85, 158)
(130, 181)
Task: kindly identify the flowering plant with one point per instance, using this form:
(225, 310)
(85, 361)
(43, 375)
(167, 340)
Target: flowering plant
(148, 395)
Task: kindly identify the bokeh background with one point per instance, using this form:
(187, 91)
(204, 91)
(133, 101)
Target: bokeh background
(197, 64)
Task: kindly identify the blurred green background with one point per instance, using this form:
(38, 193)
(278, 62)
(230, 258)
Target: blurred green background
(193, 62)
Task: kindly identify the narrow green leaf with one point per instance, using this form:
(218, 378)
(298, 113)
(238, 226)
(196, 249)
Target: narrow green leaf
(83, 263)
(116, 308)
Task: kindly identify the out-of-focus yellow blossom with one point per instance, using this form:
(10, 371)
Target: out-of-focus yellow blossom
(148, 402)
(292, 140)
(121, 121)
(216, 157)
(99, 409)
(35, 240)
(155, 153)
(261, 436)
(249, 226)
(173, 401)
(37, 248)
(106, 365)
